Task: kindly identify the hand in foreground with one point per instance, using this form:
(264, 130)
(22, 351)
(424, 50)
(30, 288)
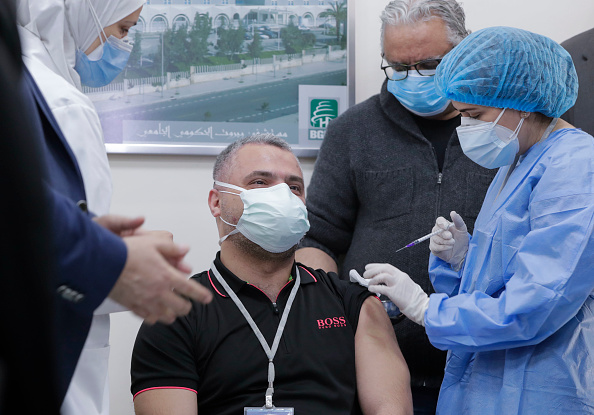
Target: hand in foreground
(153, 283)
(120, 225)
(124, 226)
(407, 295)
(452, 244)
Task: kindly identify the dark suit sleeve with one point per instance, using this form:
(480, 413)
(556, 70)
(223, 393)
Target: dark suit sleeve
(88, 262)
(89, 257)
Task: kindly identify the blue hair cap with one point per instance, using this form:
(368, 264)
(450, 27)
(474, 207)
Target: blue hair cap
(505, 67)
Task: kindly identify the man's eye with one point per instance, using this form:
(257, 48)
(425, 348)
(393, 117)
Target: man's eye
(430, 65)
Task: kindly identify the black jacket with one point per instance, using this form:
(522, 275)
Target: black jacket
(581, 49)
(26, 307)
(376, 186)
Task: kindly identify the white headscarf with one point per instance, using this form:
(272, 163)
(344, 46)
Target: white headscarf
(43, 33)
(82, 24)
(52, 30)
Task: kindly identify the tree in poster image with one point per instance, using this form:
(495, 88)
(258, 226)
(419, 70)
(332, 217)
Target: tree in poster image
(255, 47)
(198, 35)
(230, 41)
(177, 59)
(176, 44)
(164, 51)
(294, 40)
(338, 11)
(135, 60)
(184, 46)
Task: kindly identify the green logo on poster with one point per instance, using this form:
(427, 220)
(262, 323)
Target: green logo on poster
(322, 111)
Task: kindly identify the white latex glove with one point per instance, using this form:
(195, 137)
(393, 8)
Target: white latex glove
(406, 294)
(354, 276)
(452, 244)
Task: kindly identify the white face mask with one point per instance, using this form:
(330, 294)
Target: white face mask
(487, 143)
(273, 217)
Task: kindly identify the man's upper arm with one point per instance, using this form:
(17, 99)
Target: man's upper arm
(383, 380)
(166, 401)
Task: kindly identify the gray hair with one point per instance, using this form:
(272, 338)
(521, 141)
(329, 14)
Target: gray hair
(403, 12)
(221, 165)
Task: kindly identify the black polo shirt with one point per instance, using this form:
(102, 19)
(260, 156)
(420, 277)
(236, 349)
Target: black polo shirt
(214, 352)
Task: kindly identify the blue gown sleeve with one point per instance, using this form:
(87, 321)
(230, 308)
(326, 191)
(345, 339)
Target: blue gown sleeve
(443, 277)
(552, 275)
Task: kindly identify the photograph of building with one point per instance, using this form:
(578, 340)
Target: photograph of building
(207, 71)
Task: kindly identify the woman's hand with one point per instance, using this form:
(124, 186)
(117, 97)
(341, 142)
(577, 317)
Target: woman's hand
(407, 295)
(452, 244)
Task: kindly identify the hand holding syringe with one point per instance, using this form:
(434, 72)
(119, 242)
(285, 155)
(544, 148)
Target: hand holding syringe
(424, 238)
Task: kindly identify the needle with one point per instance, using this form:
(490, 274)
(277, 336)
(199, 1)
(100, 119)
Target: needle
(424, 238)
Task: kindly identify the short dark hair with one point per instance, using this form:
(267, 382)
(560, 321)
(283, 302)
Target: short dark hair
(222, 162)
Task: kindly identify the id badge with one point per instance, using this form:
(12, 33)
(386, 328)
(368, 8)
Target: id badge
(264, 411)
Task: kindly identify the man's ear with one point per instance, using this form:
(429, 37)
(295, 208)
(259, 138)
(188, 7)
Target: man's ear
(214, 202)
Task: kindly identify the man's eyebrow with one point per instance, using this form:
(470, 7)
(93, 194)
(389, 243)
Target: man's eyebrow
(258, 173)
(267, 174)
(293, 178)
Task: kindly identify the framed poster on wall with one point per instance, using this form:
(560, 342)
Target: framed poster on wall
(204, 73)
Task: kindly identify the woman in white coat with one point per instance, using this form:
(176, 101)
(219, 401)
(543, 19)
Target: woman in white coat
(67, 43)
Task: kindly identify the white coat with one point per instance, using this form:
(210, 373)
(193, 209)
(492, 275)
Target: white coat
(51, 31)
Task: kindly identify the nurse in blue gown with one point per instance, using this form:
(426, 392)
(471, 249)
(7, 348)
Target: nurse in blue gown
(515, 301)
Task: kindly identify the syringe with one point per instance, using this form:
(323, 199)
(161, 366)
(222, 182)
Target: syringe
(424, 238)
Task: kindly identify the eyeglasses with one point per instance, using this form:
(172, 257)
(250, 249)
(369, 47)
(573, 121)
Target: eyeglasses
(399, 71)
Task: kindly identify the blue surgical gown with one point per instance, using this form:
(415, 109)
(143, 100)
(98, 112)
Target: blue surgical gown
(518, 319)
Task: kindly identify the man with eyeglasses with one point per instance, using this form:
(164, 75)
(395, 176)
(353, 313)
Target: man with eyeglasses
(392, 164)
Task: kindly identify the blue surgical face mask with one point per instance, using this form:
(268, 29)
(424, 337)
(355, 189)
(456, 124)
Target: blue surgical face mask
(104, 63)
(417, 94)
(487, 143)
(273, 217)
(114, 57)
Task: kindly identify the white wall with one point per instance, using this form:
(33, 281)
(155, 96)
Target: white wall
(556, 19)
(172, 191)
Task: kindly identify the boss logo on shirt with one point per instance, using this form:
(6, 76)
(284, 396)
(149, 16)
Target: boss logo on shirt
(331, 322)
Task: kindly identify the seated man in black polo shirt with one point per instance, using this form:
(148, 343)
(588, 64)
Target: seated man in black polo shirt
(316, 344)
